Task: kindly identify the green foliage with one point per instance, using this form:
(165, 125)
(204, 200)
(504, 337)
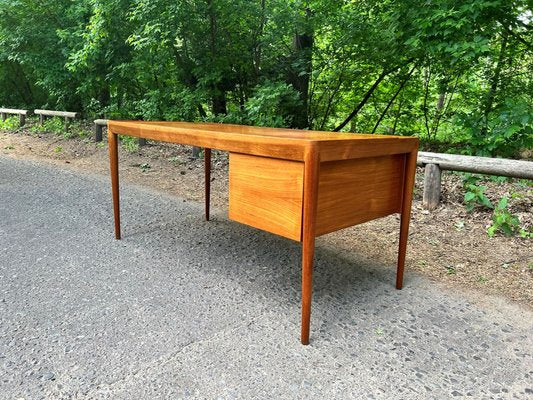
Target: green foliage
(453, 73)
(50, 125)
(505, 222)
(474, 193)
(145, 167)
(53, 125)
(10, 124)
(509, 129)
(176, 161)
(36, 129)
(82, 133)
(129, 143)
(270, 105)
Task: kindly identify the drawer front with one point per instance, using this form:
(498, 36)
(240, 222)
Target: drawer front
(266, 193)
(351, 192)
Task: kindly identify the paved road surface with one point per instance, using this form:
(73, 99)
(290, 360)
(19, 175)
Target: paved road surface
(186, 309)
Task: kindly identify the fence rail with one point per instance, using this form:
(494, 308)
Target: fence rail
(43, 114)
(100, 124)
(434, 163)
(21, 113)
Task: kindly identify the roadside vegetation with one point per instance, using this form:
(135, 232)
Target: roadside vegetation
(457, 75)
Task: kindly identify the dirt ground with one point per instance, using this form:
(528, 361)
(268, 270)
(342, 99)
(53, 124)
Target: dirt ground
(449, 245)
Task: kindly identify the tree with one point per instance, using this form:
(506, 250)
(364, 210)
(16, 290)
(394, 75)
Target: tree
(445, 71)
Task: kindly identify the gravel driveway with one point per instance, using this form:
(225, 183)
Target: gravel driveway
(182, 308)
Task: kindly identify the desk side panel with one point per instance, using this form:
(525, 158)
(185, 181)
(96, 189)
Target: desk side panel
(266, 193)
(354, 191)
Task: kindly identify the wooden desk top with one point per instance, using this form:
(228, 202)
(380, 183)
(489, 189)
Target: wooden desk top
(290, 144)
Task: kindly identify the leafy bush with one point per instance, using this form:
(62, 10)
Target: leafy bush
(509, 129)
(10, 124)
(272, 105)
(129, 143)
(475, 195)
(54, 125)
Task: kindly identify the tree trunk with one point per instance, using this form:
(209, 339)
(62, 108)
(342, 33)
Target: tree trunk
(218, 94)
(104, 98)
(257, 48)
(219, 101)
(438, 115)
(299, 78)
(21, 83)
(489, 100)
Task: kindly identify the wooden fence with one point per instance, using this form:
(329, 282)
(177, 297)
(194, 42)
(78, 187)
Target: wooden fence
(43, 114)
(21, 113)
(435, 163)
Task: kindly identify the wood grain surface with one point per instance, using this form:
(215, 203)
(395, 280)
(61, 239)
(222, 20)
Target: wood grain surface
(288, 144)
(354, 191)
(266, 193)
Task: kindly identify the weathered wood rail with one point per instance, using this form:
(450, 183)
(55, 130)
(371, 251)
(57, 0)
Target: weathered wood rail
(21, 113)
(43, 114)
(435, 163)
(100, 124)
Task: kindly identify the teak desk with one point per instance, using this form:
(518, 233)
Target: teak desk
(294, 183)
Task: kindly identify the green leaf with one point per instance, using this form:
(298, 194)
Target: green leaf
(469, 196)
(502, 203)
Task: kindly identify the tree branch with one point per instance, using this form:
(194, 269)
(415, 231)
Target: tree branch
(394, 97)
(367, 95)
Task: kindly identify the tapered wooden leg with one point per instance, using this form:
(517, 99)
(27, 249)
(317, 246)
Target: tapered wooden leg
(311, 171)
(409, 180)
(113, 167)
(207, 167)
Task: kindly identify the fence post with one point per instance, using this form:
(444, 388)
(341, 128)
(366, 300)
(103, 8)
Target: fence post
(142, 142)
(22, 120)
(196, 151)
(3, 115)
(98, 132)
(432, 178)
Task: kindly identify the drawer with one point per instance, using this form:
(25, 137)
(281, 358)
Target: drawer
(266, 193)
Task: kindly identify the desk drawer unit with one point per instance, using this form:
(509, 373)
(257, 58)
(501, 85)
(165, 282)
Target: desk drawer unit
(267, 193)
